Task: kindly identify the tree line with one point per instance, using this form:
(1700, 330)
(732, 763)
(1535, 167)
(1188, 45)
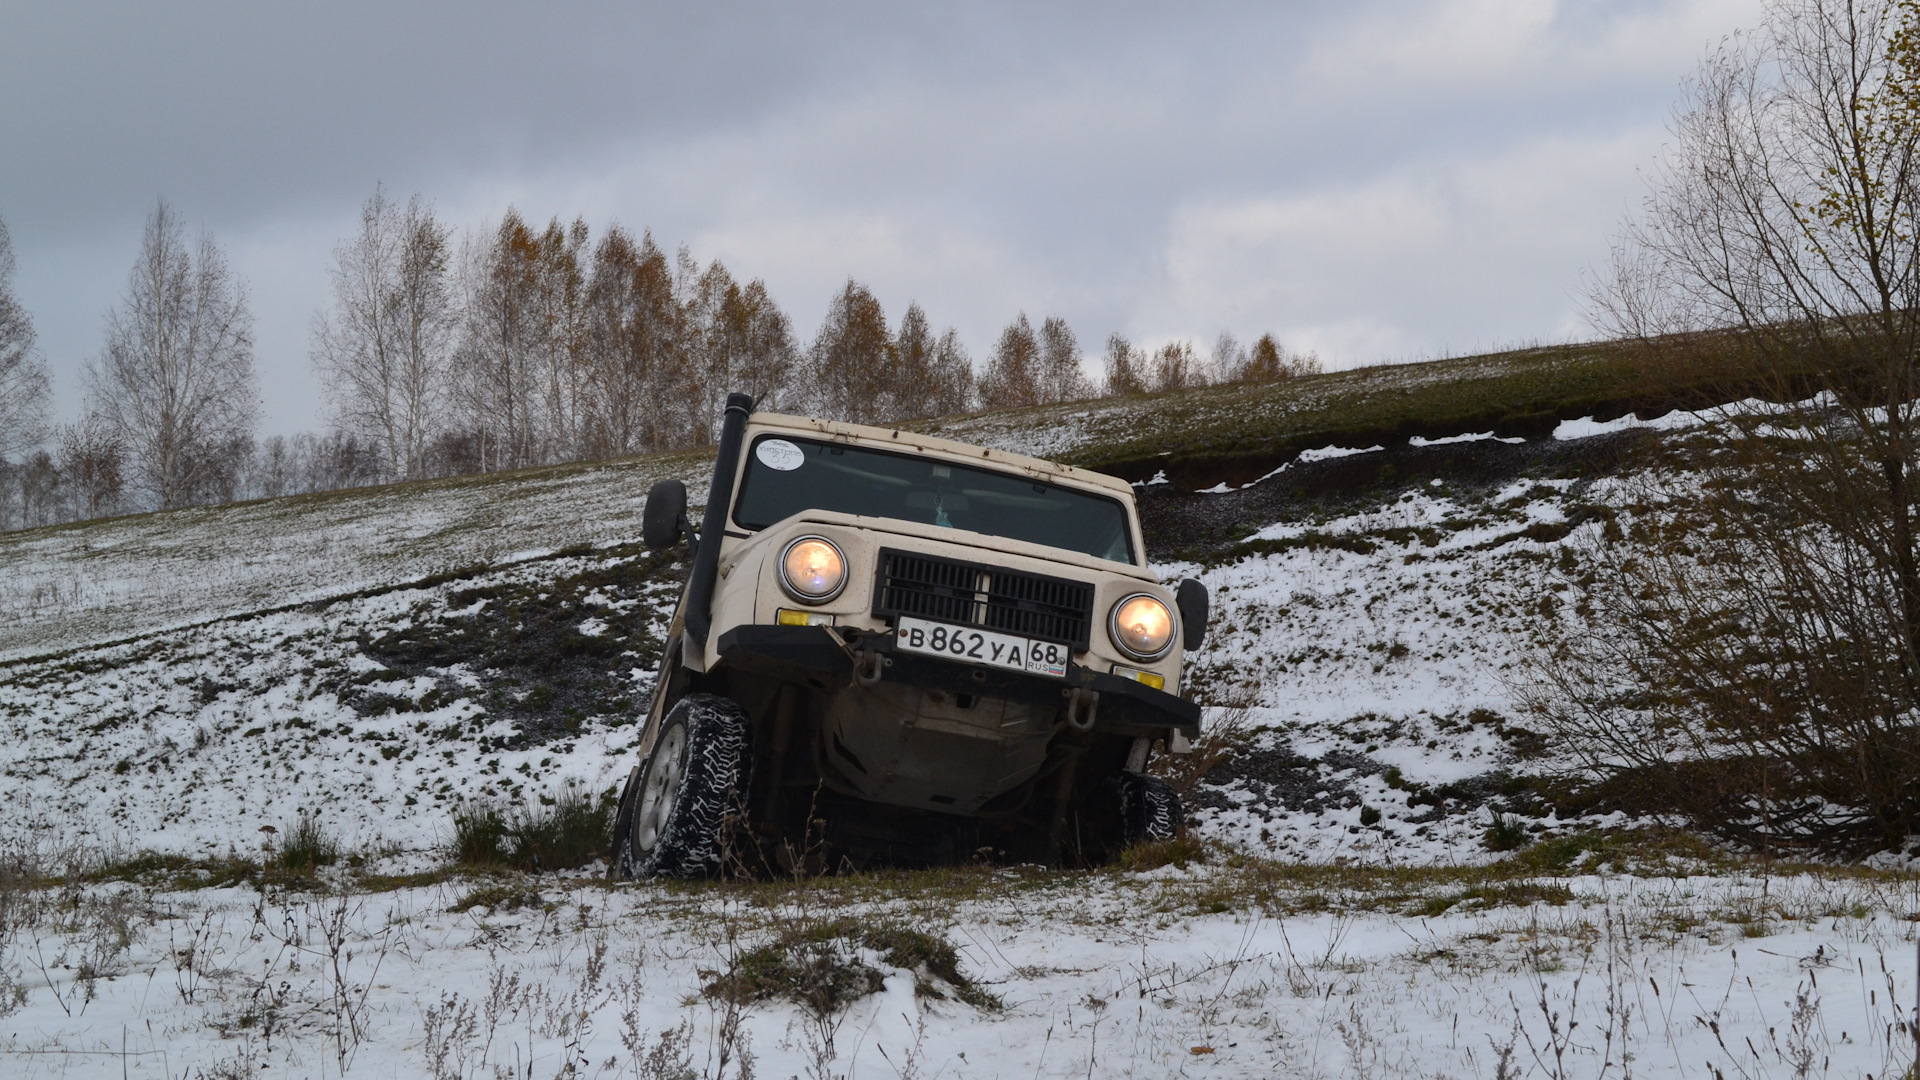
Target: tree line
(520, 345)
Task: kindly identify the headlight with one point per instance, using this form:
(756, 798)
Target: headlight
(813, 570)
(1142, 626)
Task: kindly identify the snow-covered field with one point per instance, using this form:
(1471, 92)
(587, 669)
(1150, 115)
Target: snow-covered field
(196, 683)
(129, 577)
(1104, 975)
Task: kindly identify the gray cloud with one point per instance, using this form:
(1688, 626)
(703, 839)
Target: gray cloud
(1375, 180)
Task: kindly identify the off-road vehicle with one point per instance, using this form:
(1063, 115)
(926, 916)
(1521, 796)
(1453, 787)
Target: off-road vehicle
(898, 649)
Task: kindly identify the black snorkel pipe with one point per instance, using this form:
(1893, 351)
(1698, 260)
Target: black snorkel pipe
(706, 560)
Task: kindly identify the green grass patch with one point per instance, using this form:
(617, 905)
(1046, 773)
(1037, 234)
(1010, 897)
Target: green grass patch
(1521, 392)
(816, 963)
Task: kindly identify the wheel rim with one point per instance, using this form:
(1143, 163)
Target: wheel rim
(663, 785)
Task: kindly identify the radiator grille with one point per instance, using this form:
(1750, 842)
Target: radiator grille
(992, 598)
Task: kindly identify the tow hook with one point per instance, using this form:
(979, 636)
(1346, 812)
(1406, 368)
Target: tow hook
(867, 666)
(1082, 706)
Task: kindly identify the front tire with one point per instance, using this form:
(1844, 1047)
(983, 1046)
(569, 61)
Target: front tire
(689, 790)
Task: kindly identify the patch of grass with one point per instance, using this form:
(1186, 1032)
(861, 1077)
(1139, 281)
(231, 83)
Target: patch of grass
(177, 872)
(1501, 894)
(1506, 833)
(568, 833)
(498, 897)
(572, 832)
(479, 834)
(1656, 851)
(308, 847)
(1154, 854)
(816, 963)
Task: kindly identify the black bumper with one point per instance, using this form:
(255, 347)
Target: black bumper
(809, 654)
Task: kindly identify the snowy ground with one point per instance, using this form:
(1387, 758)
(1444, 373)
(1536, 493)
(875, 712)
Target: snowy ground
(1386, 654)
(1110, 975)
(95, 582)
(1343, 919)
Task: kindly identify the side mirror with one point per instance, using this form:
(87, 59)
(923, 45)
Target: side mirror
(1191, 598)
(664, 519)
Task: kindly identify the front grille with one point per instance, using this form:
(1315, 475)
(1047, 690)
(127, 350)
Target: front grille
(992, 598)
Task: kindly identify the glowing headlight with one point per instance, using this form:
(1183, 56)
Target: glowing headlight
(1142, 627)
(813, 570)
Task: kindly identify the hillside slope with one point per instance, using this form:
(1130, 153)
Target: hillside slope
(94, 582)
(1367, 643)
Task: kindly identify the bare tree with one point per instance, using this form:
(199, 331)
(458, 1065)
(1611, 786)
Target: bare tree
(1125, 366)
(1012, 380)
(950, 376)
(174, 382)
(23, 374)
(1228, 361)
(560, 340)
(743, 340)
(91, 461)
(383, 349)
(1754, 661)
(499, 353)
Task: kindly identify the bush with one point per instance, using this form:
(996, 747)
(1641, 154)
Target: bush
(816, 963)
(569, 832)
(479, 834)
(1507, 833)
(308, 846)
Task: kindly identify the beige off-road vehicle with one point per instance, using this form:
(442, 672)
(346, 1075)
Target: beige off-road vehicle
(899, 649)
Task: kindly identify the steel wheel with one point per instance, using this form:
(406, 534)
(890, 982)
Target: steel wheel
(662, 788)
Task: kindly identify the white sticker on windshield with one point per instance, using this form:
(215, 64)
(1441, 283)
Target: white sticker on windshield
(780, 454)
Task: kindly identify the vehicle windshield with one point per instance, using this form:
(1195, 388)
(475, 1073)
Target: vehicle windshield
(787, 475)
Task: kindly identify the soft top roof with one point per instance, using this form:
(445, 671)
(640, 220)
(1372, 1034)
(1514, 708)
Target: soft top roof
(914, 442)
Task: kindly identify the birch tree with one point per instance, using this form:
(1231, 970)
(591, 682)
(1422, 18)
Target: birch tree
(174, 382)
(23, 374)
(851, 366)
(383, 349)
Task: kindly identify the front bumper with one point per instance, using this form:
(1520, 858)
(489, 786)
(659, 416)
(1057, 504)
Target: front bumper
(812, 655)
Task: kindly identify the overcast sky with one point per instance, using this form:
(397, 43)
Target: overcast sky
(1370, 180)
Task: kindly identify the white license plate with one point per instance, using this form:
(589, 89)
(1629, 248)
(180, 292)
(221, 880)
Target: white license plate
(982, 647)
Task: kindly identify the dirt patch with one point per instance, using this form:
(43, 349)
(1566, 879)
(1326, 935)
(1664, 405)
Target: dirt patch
(1181, 523)
(545, 652)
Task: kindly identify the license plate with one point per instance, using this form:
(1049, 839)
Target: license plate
(982, 647)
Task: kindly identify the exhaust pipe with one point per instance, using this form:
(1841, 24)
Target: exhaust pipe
(706, 561)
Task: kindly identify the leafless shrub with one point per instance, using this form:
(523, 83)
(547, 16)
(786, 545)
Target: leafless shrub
(1228, 731)
(1750, 658)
